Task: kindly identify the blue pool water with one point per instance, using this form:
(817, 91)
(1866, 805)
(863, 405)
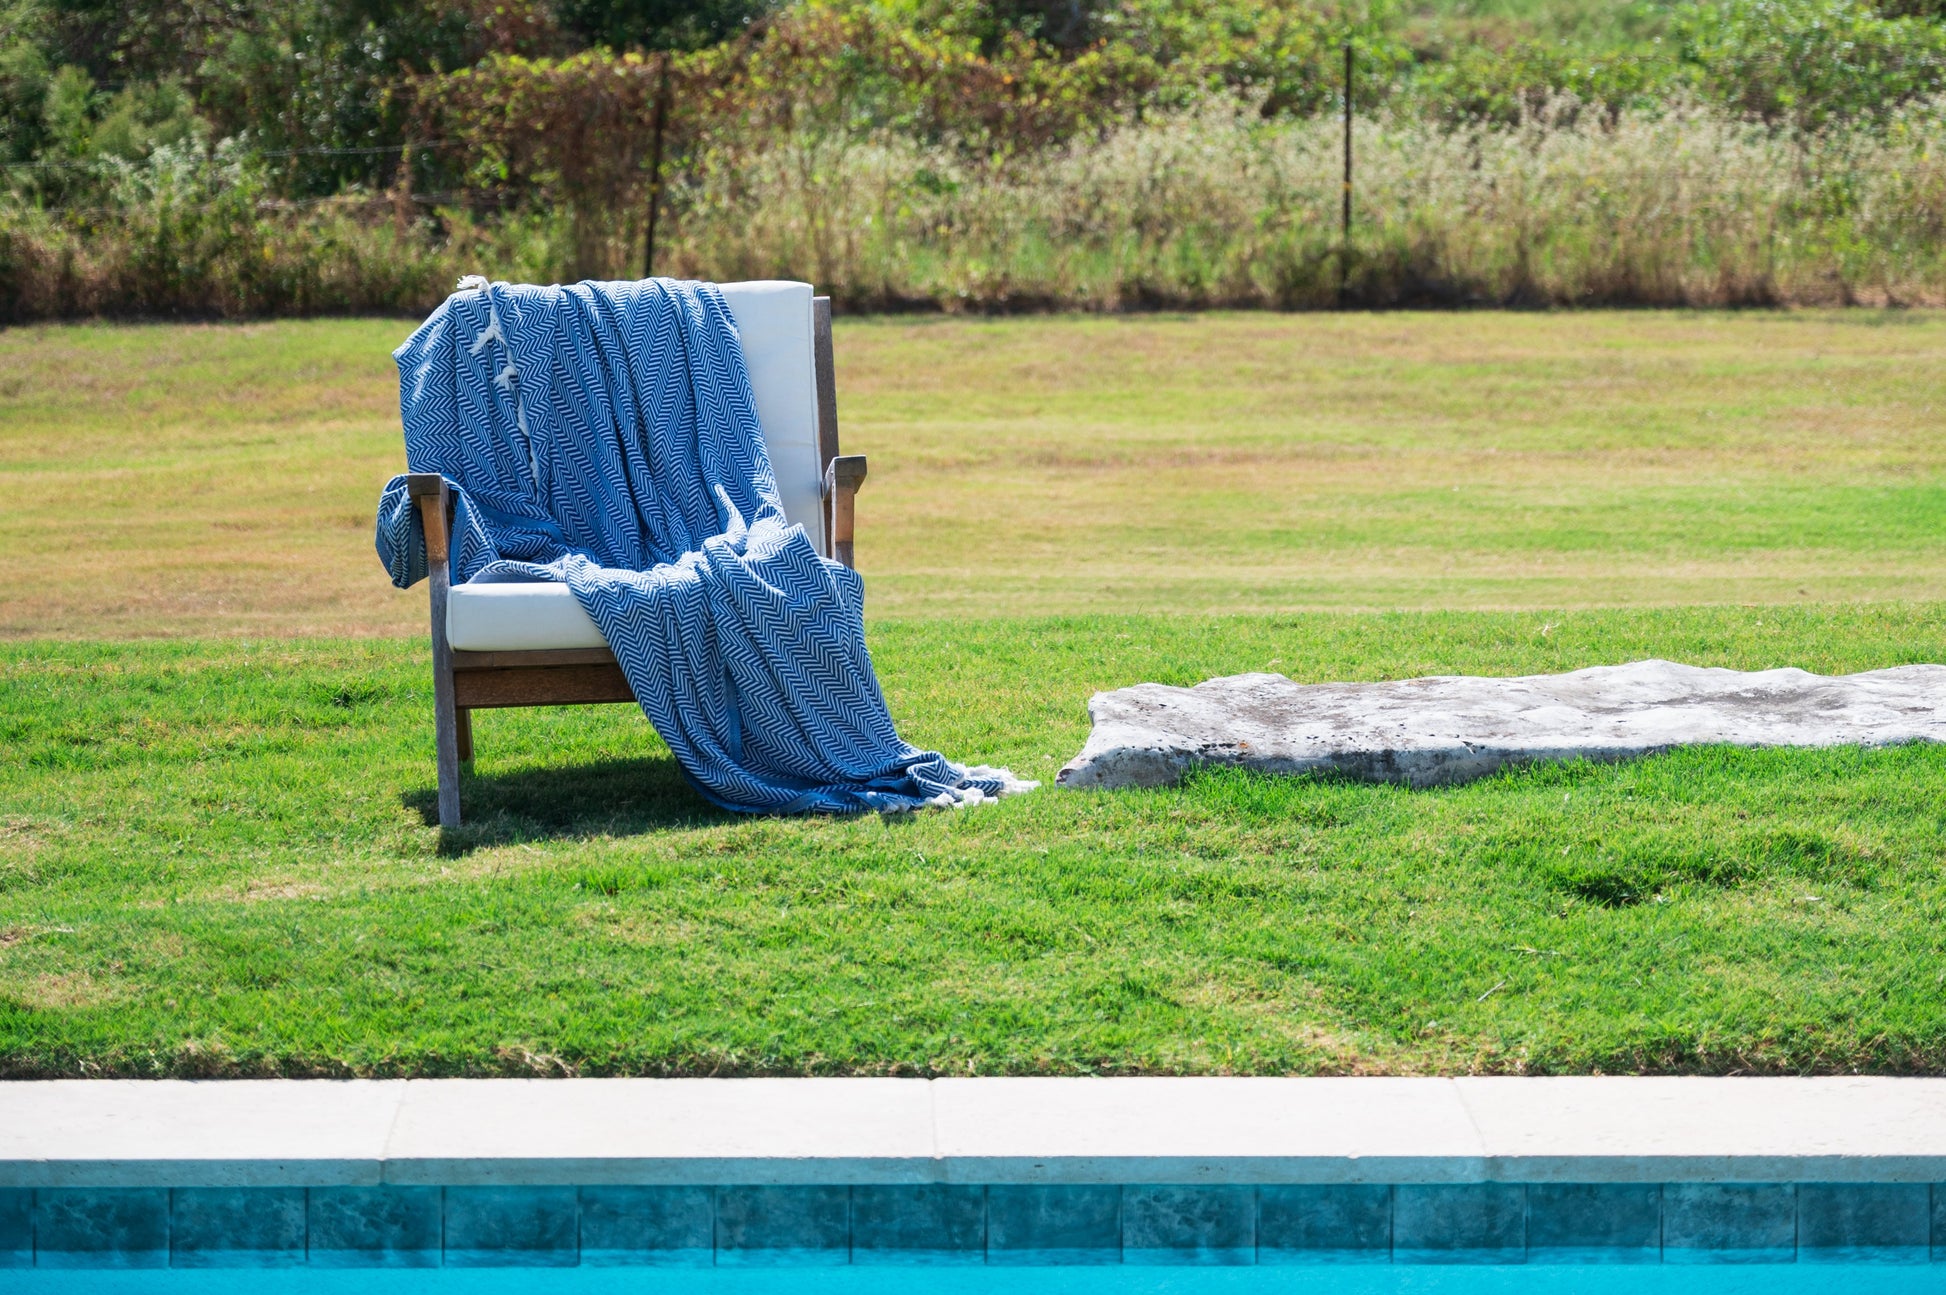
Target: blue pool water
(1418, 1279)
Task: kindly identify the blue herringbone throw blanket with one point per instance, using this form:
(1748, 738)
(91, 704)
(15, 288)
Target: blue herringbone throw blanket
(605, 435)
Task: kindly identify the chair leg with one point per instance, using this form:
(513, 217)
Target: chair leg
(464, 727)
(448, 721)
(446, 737)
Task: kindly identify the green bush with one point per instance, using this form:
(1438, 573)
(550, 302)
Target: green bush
(1504, 86)
(184, 233)
(1808, 62)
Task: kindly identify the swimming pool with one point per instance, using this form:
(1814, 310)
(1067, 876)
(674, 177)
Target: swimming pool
(1009, 1186)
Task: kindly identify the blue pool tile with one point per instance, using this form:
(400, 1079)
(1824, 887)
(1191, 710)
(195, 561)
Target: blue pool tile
(104, 1227)
(1594, 1223)
(375, 1227)
(931, 1223)
(1729, 1223)
(16, 1227)
(783, 1225)
(1460, 1223)
(1939, 1222)
(659, 1226)
(1189, 1225)
(525, 1227)
(1863, 1222)
(236, 1227)
(1341, 1223)
(1054, 1225)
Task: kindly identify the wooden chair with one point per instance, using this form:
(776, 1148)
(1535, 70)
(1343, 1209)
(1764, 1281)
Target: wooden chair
(531, 644)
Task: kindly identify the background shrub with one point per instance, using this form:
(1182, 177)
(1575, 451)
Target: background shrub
(309, 155)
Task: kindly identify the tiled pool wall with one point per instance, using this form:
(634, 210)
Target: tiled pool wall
(565, 1226)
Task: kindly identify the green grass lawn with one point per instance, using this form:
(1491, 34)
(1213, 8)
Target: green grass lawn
(215, 742)
(217, 861)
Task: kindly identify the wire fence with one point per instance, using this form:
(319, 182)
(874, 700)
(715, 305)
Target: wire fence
(1199, 209)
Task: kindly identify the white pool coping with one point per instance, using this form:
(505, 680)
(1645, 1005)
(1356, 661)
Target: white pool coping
(95, 1133)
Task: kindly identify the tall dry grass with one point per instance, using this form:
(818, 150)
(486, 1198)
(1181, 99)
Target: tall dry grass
(1216, 208)
(1212, 207)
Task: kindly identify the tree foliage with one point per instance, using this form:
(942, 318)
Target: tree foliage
(1806, 62)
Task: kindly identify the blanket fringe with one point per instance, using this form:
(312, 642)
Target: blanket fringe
(962, 797)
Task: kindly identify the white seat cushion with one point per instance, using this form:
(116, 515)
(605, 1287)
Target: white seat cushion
(517, 617)
(774, 319)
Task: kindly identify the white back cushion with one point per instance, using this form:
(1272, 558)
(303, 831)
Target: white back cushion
(774, 317)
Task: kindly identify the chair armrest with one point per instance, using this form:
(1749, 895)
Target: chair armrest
(847, 472)
(435, 501)
(842, 478)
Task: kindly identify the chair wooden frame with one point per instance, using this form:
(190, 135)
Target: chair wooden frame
(463, 682)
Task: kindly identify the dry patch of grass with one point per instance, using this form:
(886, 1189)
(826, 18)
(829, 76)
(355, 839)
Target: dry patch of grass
(258, 890)
(221, 479)
(1262, 462)
(21, 838)
(65, 991)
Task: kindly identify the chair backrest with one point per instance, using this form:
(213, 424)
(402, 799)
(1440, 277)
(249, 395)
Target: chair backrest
(774, 317)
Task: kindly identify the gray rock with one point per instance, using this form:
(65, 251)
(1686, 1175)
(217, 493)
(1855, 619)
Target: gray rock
(1454, 728)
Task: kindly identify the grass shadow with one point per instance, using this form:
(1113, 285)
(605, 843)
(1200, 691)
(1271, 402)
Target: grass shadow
(553, 802)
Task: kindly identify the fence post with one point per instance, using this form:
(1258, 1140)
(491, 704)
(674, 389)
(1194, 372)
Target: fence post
(657, 122)
(402, 191)
(1344, 212)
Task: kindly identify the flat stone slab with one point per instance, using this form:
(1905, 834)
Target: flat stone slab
(1453, 728)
